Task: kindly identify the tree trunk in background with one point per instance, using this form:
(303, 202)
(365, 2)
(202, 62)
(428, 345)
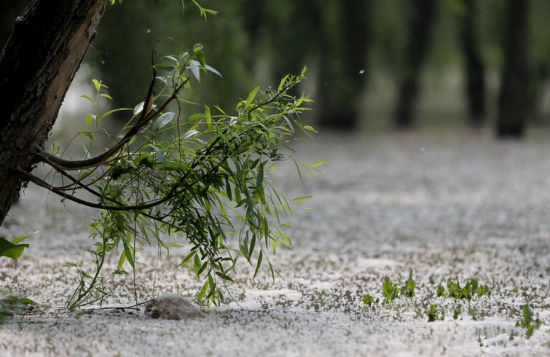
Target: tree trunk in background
(253, 18)
(513, 103)
(420, 19)
(474, 68)
(343, 67)
(37, 66)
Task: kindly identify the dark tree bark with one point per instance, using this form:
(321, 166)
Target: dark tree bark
(420, 18)
(8, 12)
(513, 103)
(253, 18)
(473, 66)
(37, 65)
(343, 67)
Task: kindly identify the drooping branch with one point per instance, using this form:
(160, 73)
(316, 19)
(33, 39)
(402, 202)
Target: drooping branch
(148, 114)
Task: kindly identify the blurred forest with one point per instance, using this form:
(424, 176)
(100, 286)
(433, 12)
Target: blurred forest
(373, 64)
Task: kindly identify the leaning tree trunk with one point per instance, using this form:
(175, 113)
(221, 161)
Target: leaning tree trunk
(37, 66)
(513, 103)
(419, 25)
(474, 68)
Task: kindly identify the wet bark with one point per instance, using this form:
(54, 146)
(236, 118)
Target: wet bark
(513, 103)
(420, 19)
(473, 66)
(37, 65)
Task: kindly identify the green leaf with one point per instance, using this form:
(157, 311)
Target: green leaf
(258, 264)
(87, 98)
(128, 252)
(202, 293)
(87, 134)
(301, 199)
(252, 95)
(213, 70)
(121, 260)
(89, 119)
(106, 114)
(106, 96)
(310, 128)
(11, 250)
(19, 239)
(195, 68)
(319, 163)
(138, 108)
(97, 84)
(224, 276)
(162, 121)
(160, 155)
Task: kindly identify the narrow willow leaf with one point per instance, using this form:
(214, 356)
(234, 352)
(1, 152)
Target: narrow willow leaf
(258, 264)
(301, 199)
(97, 84)
(121, 260)
(252, 95)
(188, 258)
(19, 239)
(89, 119)
(162, 121)
(195, 68)
(87, 98)
(213, 70)
(202, 293)
(319, 163)
(87, 134)
(138, 108)
(224, 276)
(128, 253)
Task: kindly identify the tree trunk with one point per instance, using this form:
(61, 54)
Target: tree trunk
(8, 12)
(343, 67)
(37, 66)
(513, 99)
(420, 19)
(474, 68)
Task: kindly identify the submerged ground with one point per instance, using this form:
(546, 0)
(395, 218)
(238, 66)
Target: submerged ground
(457, 206)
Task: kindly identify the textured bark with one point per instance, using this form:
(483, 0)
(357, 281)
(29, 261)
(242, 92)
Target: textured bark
(420, 19)
(513, 103)
(37, 66)
(474, 68)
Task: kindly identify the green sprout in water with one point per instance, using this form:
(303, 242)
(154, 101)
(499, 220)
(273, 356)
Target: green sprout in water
(433, 314)
(389, 290)
(410, 284)
(528, 322)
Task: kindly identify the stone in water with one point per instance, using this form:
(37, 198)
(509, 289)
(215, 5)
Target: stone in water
(171, 307)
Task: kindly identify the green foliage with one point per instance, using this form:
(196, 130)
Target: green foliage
(433, 315)
(13, 304)
(410, 284)
(528, 321)
(454, 289)
(201, 180)
(389, 290)
(12, 249)
(441, 290)
(368, 300)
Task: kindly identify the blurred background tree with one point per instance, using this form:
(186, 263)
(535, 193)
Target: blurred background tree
(374, 64)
